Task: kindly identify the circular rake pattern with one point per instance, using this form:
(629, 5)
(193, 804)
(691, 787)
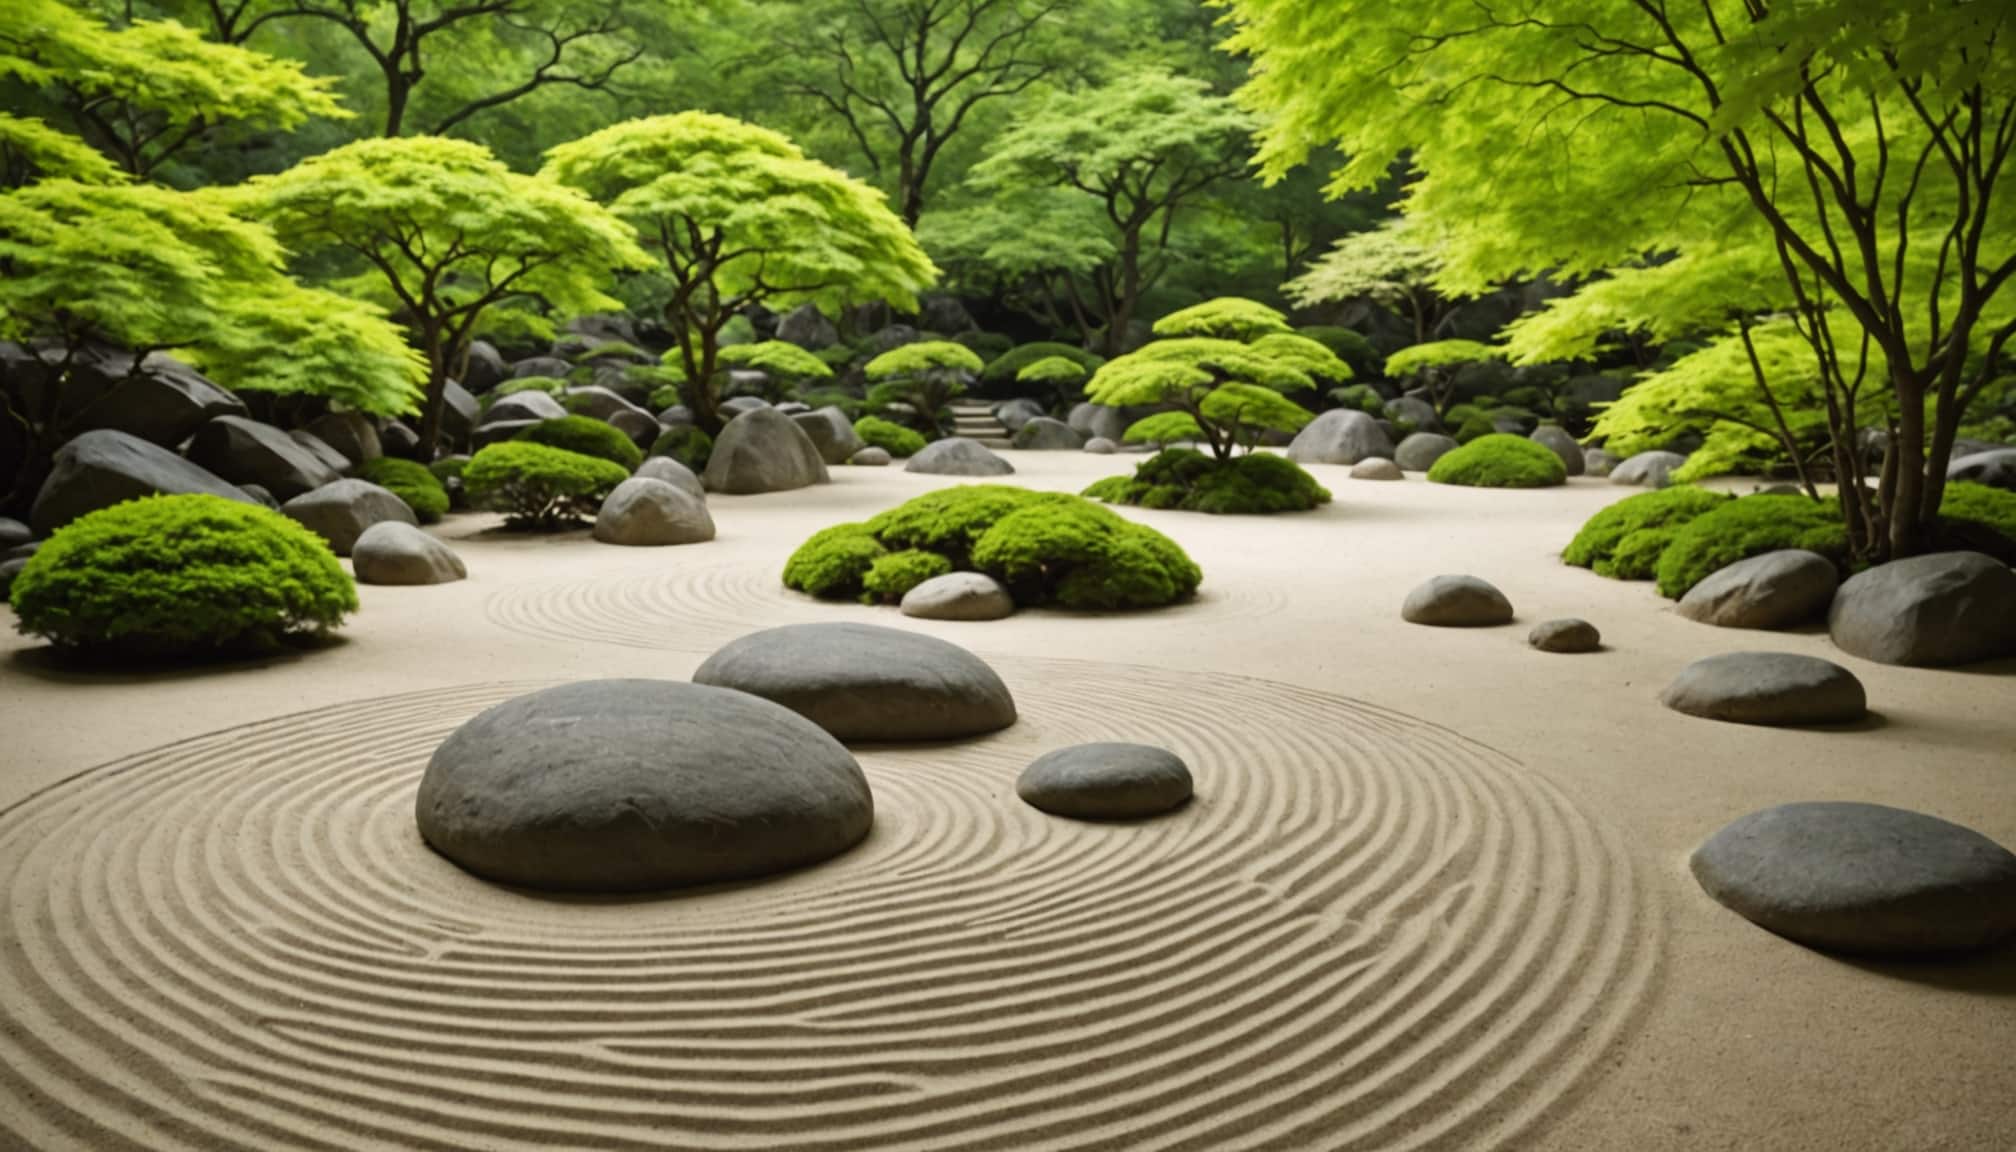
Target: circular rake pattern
(1365, 932)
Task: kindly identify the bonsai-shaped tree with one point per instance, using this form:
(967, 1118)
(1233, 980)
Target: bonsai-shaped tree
(1390, 265)
(1437, 363)
(447, 232)
(1060, 377)
(737, 215)
(926, 376)
(1225, 318)
(785, 367)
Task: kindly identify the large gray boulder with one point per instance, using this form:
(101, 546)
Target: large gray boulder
(1456, 602)
(866, 682)
(340, 512)
(1106, 781)
(1556, 439)
(737, 405)
(832, 433)
(1995, 468)
(645, 513)
(808, 328)
(639, 426)
(1928, 611)
(485, 369)
(1090, 420)
(319, 448)
(674, 473)
(1418, 452)
(460, 412)
(395, 552)
(247, 452)
(550, 367)
(1415, 411)
(633, 785)
(763, 450)
(1862, 878)
(600, 404)
(1647, 469)
(1782, 589)
(958, 456)
(1770, 688)
(527, 405)
(1340, 436)
(163, 401)
(1013, 414)
(1043, 434)
(351, 434)
(103, 468)
(959, 596)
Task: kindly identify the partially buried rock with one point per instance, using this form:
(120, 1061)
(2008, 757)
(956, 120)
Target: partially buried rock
(1377, 468)
(1770, 688)
(340, 512)
(1456, 602)
(13, 532)
(1567, 635)
(1647, 469)
(1418, 453)
(866, 682)
(633, 785)
(831, 432)
(1928, 611)
(1782, 589)
(102, 468)
(1044, 434)
(674, 473)
(1101, 446)
(246, 451)
(1995, 468)
(763, 450)
(870, 457)
(1106, 781)
(959, 596)
(1340, 436)
(526, 405)
(958, 456)
(1556, 439)
(394, 552)
(1862, 878)
(642, 512)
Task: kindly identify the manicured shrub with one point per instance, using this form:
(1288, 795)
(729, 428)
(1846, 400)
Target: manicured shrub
(950, 520)
(1001, 371)
(586, 436)
(169, 575)
(1475, 427)
(539, 487)
(894, 573)
(1640, 520)
(1751, 526)
(1500, 461)
(889, 436)
(1255, 484)
(410, 481)
(1349, 346)
(834, 561)
(685, 443)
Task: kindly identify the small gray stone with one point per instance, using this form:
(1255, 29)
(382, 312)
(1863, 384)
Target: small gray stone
(1596, 462)
(1862, 878)
(763, 450)
(1418, 453)
(958, 456)
(1101, 446)
(247, 452)
(340, 512)
(1090, 420)
(1647, 469)
(106, 467)
(674, 473)
(1928, 611)
(1106, 781)
(23, 550)
(1456, 602)
(1377, 468)
(1781, 589)
(1770, 688)
(870, 457)
(1340, 436)
(644, 513)
(1557, 440)
(394, 552)
(959, 596)
(640, 426)
(832, 433)
(1567, 634)
(866, 682)
(632, 785)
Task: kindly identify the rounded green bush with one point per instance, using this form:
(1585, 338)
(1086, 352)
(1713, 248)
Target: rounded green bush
(539, 487)
(1640, 520)
(894, 573)
(1750, 526)
(448, 468)
(1003, 369)
(1500, 461)
(412, 482)
(686, 444)
(587, 436)
(1255, 484)
(166, 575)
(1349, 346)
(833, 562)
(889, 436)
(950, 521)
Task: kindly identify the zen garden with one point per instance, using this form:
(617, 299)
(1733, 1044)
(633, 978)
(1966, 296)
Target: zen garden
(1008, 575)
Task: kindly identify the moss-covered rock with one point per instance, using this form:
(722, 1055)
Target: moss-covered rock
(1751, 526)
(1499, 461)
(1624, 540)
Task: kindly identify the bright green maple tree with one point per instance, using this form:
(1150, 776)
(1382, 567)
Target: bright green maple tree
(1392, 265)
(446, 232)
(925, 376)
(738, 216)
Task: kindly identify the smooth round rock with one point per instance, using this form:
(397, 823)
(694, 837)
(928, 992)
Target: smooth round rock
(1339, 436)
(1376, 468)
(340, 512)
(762, 450)
(394, 552)
(1928, 611)
(1771, 688)
(831, 432)
(1106, 782)
(1862, 878)
(1101, 446)
(644, 513)
(866, 682)
(870, 457)
(674, 473)
(1556, 439)
(958, 456)
(1647, 469)
(1419, 451)
(959, 596)
(1456, 602)
(1567, 635)
(633, 785)
(1044, 434)
(1782, 589)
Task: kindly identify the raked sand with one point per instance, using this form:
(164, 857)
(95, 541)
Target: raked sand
(1432, 894)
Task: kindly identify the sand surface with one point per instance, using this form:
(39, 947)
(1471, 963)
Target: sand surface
(1433, 893)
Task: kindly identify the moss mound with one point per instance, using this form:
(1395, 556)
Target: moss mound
(1978, 518)
(537, 487)
(1047, 548)
(412, 482)
(168, 575)
(889, 436)
(1624, 540)
(586, 436)
(1256, 484)
(686, 444)
(1751, 526)
(1499, 461)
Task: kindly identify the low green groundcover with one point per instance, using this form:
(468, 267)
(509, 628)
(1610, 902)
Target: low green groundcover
(537, 487)
(412, 482)
(1499, 460)
(1047, 548)
(1257, 483)
(587, 436)
(1624, 540)
(169, 575)
(1749, 527)
(889, 436)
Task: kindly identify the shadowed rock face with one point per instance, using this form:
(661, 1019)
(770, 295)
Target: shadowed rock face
(632, 785)
(1106, 781)
(763, 450)
(103, 468)
(1862, 878)
(1557, 440)
(1776, 590)
(341, 512)
(1946, 608)
(247, 452)
(1340, 436)
(1770, 688)
(1418, 452)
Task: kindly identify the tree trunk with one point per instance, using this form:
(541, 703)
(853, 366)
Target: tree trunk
(1130, 290)
(1907, 516)
(437, 392)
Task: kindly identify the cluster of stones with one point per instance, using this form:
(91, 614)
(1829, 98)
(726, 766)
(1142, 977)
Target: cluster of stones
(636, 785)
(1457, 601)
